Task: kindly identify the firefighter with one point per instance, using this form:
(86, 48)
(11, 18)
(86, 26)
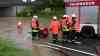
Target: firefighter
(54, 27)
(65, 27)
(19, 27)
(74, 34)
(35, 27)
(74, 21)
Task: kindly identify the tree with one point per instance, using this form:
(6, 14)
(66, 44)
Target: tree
(43, 5)
(54, 4)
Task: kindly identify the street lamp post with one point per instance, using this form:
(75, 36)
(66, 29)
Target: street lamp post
(28, 1)
(32, 0)
(25, 1)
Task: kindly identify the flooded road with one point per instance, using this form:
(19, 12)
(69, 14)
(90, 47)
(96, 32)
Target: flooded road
(43, 50)
(23, 40)
(8, 29)
(47, 50)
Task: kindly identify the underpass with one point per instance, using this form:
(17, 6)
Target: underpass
(8, 7)
(8, 11)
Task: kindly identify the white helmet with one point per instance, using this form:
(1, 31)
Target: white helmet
(36, 17)
(54, 17)
(66, 16)
(19, 23)
(73, 15)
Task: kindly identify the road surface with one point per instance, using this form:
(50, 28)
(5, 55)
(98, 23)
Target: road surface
(8, 29)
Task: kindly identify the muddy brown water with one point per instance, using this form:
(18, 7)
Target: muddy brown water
(23, 40)
(8, 29)
(41, 50)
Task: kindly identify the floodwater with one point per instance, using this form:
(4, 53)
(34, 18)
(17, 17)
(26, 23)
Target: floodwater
(23, 40)
(8, 29)
(42, 50)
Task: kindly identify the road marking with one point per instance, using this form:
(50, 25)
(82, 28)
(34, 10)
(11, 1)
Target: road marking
(48, 46)
(54, 48)
(42, 45)
(73, 49)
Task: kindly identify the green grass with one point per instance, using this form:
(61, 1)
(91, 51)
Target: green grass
(8, 48)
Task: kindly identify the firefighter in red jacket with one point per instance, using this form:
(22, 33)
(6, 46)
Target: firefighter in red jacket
(65, 27)
(35, 27)
(54, 27)
(74, 17)
(74, 34)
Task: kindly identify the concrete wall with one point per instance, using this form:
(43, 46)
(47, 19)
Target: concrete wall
(1, 11)
(8, 11)
(11, 11)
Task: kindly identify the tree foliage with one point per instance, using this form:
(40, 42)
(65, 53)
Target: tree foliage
(41, 6)
(54, 4)
(27, 11)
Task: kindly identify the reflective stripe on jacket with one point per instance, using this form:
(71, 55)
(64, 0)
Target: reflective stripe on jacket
(34, 30)
(65, 28)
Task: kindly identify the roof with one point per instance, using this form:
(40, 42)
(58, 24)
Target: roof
(6, 3)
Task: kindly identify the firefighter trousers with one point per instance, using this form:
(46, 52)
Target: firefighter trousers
(65, 35)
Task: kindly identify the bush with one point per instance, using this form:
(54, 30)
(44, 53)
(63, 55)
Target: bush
(26, 12)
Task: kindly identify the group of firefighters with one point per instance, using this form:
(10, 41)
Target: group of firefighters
(66, 25)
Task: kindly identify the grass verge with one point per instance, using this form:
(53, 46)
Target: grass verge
(8, 48)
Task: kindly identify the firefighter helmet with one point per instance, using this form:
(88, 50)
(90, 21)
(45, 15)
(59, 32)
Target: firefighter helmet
(66, 16)
(74, 15)
(36, 17)
(54, 17)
